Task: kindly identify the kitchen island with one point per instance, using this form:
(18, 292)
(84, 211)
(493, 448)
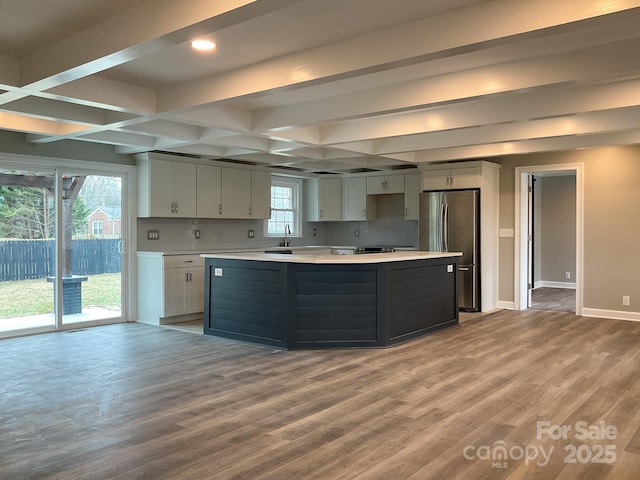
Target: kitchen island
(318, 301)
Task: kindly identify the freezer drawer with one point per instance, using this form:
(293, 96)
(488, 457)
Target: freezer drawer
(467, 291)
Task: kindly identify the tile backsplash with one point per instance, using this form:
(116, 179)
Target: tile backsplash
(217, 234)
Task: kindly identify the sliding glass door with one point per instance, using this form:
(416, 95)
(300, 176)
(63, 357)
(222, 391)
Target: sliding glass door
(91, 247)
(27, 250)
(62, 239)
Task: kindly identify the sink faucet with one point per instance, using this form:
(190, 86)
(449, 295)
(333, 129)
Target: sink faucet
(287, 238)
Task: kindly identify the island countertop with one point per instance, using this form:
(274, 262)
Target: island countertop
(334, 258)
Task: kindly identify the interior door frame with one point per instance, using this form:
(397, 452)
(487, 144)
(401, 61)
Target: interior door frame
(521, 241)
(128, 174)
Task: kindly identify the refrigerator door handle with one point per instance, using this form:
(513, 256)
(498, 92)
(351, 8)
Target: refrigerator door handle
(445, 227)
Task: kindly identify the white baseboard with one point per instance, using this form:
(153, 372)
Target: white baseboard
(506, 305)
(611, 314)
(569, 285)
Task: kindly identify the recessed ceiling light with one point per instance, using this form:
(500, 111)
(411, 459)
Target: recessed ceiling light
(203, 45)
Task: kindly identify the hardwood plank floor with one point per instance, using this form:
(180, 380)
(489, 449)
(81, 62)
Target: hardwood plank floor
(133, 401)
(546, 298)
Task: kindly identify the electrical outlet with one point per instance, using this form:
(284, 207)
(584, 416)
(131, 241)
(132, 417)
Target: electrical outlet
(357, 233)
(626, 300)
(196, 233)
(153, 234)
(315, 232)
(567, 275)
(251, 233)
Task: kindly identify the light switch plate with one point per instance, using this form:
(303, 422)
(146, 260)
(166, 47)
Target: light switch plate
(153, 234)
(449, 268)
(217, 272)
(251, 234)
(196, 233)
(506, 232)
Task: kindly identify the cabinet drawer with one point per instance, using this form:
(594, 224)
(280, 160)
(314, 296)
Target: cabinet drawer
(177, 261)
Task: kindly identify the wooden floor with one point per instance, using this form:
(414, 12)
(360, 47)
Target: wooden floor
(134, 401)
(562, 299)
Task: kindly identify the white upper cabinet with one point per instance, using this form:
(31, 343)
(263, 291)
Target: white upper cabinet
(209, 191)
(383, 184)
(166, 189)
(188, 190)
(412, 188)
(447, 178)
(245, 193)
(236, 193)
(260, 194)
(323, 199)
(357, 205)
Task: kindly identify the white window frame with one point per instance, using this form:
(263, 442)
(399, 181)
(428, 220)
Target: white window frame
(296, 226)
(97, 223)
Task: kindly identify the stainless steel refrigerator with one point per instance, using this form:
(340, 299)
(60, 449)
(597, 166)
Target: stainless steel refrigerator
(449, 222)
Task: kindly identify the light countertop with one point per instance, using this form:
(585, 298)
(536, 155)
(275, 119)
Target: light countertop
(334, 259)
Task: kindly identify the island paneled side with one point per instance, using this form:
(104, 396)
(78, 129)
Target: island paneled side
(305, 305)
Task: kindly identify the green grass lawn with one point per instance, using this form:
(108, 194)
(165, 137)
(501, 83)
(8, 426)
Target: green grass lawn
(34, 297)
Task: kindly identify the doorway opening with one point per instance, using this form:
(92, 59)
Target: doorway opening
(528, 257)
(552, 229)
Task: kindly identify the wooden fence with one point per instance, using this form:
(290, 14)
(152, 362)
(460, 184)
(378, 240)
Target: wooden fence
(29, 259)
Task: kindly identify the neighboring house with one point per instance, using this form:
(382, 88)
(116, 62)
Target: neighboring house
(105, 221)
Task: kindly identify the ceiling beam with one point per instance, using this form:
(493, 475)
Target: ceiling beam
(451, 33)
(141, 30)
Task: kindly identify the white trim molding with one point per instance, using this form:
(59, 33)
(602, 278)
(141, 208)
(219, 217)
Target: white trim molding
(548, 284)
(520, 282)
(611, 314)
(505, 305)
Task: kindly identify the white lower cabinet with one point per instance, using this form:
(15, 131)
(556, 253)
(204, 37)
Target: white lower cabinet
(170, 287)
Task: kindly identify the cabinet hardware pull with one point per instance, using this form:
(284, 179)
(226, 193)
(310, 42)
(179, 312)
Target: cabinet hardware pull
(250, 210)
(321, 213)
(406, 212)
(186, 277)
(220, 209)
(176, 207)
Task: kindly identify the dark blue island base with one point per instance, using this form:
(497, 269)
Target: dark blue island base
(303, 305)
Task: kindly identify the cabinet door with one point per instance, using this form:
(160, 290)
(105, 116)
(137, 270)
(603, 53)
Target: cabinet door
(208, 191)
(412, 196)
(379, 185)
(260, 194)
(160, 188)
(184, 190)
(196, 290)
(375, 185)
(357, 205)
(394, 184)
(436, 179)
(330, 199)
(467, 177)
(236, 193)
(175, 291)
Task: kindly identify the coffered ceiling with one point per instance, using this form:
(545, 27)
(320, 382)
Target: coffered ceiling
(323, 85)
